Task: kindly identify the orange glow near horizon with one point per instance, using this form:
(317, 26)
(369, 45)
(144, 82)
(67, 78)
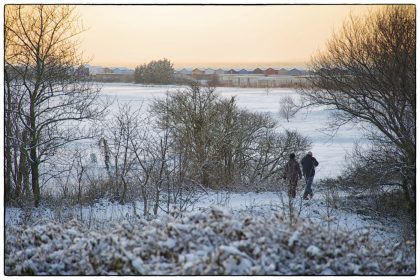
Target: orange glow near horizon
(129, 35)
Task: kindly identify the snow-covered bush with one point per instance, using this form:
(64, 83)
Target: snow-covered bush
(202, 243)
(221, 144)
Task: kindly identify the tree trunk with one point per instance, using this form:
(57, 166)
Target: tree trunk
(8, 178)
(8, 146)
(157, 198)
(8, 170)
(21, 173)
(163, 148)
(35, 176)
(122, 198)
(79, 194)
(408, 197)
(22, 177)
(34, 154)
(145, 204)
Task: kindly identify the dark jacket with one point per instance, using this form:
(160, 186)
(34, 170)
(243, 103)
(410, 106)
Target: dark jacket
(292, 171)
(308, 165)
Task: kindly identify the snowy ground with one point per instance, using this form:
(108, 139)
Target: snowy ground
(262, 204)
(329, 152)
(97, 221)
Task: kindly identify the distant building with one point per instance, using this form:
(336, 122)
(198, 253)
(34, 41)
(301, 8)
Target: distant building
(93, 70)
(220, 71)
(107, 70)
(209, 71)
(197, 72)
(270, 71)
(240, 80)
(295, 72)
(232, 71)
(257, 71)
(122, 71)
(260, 81)
(185, 71)
(283, 71)
(243, 72)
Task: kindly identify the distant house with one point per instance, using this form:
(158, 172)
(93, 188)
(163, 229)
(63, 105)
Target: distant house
(122, 71)
(209, 71)
(261, 81)
(283, 71)
(107, 70)
(185, 71)
(197, 72)
(257, 71)
(295, 72)
(220, 71)
(117, 71)
(243, 71)
(93, 70)
(270, 71)
(232, 71)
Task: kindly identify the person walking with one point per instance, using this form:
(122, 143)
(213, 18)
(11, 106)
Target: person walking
(292, 173)
(308, 166)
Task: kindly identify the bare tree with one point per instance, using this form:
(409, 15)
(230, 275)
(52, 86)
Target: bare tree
(267, 89)
(123, 147)
(190, 113)
(268, 155)
(368, 74)
(288, 107)
(53, 97)
(220, 143)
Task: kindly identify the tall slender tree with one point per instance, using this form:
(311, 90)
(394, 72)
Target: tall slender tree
(52, 98)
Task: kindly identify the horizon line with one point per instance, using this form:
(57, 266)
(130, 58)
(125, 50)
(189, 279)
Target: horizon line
(208, 64)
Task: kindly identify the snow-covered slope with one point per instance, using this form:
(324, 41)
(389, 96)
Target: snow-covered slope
(261, 204)
(248, 232)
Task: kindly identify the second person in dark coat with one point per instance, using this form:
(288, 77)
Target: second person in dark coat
(308, 166)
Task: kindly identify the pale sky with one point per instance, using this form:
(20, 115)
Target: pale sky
(209, 35)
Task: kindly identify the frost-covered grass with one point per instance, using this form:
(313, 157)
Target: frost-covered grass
(261, 204)
(223, 233)
(212, 242)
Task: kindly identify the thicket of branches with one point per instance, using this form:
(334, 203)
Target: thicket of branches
(47, 100)
(220, 143)
(368, 74)
(190, 141)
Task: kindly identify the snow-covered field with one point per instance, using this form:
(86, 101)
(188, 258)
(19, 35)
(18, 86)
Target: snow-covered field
(330, 152)
(109, 238)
